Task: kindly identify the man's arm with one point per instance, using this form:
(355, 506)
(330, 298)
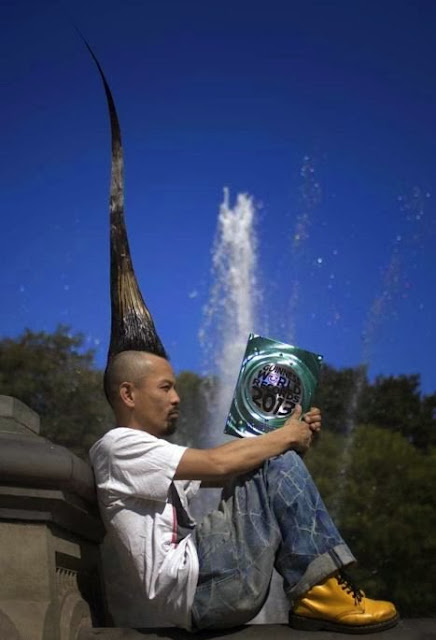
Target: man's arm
(246, 454)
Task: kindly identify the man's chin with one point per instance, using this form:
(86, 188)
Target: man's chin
(172, 427)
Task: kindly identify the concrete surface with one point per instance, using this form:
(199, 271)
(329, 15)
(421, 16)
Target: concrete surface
(50, 532)
(412, 629)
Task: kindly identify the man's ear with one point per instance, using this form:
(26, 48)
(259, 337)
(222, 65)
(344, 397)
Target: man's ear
(126, 394)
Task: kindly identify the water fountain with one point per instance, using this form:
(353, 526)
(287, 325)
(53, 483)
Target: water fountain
(234, 307)
(231, 313)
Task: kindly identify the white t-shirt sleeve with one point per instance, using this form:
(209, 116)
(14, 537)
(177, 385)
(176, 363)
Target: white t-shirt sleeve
(141, 465)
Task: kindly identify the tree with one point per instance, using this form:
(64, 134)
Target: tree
(385, 504)
(57, 378)
(193, 409)
(338, 395)
(395, 403)
(425, 434)
(325, 461)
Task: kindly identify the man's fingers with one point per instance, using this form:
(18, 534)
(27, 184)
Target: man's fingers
(313, 413)
(313, 419)
(297, 412)
(312, 416)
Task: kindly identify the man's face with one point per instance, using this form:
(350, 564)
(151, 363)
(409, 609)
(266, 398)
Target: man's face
(156, 399)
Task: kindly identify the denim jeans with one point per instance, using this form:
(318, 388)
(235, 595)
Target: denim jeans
(272, 517)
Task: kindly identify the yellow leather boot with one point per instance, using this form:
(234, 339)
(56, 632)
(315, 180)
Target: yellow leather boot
(337, 605)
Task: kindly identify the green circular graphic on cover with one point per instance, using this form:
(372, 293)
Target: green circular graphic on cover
(275, 389)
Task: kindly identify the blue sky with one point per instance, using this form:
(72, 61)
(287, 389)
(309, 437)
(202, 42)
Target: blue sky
(231, 94)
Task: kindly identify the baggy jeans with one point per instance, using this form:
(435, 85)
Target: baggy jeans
(272, 517)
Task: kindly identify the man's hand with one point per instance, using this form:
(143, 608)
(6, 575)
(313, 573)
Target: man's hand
(313, 419)
(303, 428)
(299, 431)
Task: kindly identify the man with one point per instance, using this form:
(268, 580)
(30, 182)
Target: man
(216, 573)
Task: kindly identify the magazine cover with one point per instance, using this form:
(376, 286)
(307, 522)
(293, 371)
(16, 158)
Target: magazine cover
(273, 378)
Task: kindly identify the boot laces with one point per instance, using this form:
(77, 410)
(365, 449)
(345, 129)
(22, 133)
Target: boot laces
(347, 584)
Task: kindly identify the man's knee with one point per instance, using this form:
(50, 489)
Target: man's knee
(286, 469)
(286, 461)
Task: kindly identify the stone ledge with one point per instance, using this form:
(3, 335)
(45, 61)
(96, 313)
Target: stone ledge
(412, 629)
(28, 460)
(50, 531)
(36, 462)
(52, 506)
(15, 416)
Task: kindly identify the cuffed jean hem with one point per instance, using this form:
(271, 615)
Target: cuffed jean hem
(322, 567)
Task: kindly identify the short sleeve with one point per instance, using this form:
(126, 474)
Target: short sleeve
(137, 464)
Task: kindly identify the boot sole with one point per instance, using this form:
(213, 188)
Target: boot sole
(313, 624)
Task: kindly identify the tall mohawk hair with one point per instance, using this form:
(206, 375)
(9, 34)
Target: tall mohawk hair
(132, 327)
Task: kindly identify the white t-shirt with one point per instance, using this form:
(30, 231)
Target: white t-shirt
(143, 510)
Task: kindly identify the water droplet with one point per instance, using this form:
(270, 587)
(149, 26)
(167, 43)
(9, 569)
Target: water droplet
(319, 260)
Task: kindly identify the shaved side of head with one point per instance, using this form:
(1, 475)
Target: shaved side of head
(127, 366)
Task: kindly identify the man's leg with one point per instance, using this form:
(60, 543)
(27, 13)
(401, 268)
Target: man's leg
(311, 547)
(273, 515)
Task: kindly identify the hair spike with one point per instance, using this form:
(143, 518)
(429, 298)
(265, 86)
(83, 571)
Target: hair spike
(132, 327)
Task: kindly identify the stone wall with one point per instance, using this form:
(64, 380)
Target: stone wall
(50, 587)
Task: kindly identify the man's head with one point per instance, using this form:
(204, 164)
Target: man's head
(140, 388)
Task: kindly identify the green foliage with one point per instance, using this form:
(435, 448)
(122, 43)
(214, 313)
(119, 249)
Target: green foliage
(382, 492)
(193, 409)
(324, 463)
(55, 377)
(338, 395)
(393, 403)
